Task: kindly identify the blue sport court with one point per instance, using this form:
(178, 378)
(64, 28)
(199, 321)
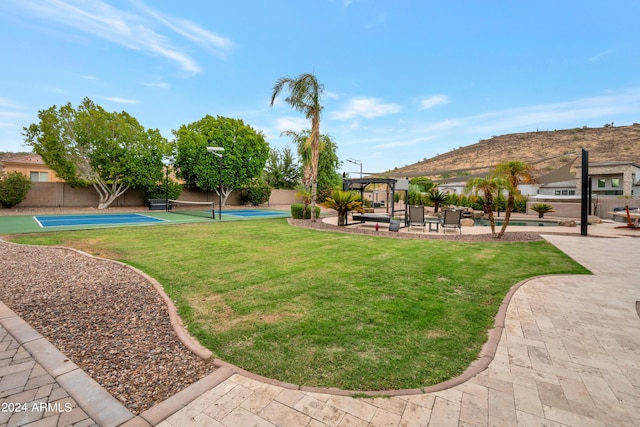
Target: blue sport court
(46, 221)
(124, 219)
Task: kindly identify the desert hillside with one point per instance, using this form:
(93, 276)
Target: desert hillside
(607, 143)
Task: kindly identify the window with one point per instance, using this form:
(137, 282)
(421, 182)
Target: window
(572, 192)
(557, 192)
(602, 183)
(39, 176)
(615, 182)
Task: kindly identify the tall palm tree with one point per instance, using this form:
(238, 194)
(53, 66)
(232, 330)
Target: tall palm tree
(514, 173)
(304, 96)
(489, 187)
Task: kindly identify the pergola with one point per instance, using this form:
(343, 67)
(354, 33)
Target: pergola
(359, 184)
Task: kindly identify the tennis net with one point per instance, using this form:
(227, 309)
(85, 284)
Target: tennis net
(200, 209)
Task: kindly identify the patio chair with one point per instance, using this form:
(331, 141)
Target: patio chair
(416, 216)
(451, 219)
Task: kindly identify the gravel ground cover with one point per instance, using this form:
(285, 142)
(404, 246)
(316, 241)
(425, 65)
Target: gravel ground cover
(513, 236)
(105, 317)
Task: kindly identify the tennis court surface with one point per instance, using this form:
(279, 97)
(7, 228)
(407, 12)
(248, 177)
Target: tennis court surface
(51, 222)
(46, 221)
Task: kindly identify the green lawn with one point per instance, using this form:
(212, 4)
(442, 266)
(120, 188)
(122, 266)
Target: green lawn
(327, 309)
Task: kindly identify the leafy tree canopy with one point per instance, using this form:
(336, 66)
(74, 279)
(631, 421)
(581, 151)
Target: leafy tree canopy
(328, 161)
(244, 156)
(91, 146)
(282, 170)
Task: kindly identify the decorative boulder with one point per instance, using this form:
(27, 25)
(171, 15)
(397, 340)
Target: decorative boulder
(592, 219)
(567, 223)
(466, 222)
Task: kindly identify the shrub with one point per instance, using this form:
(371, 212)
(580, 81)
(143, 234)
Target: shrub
(343, 202)
(257, 193)
(298, 211)
(13, 189)
(159, 191)
(521, 204)
(541, 208)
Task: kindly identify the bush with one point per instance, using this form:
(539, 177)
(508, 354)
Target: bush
(298, 211)
(13, 189)
(159, 191)
(258, 193)
(541, 208)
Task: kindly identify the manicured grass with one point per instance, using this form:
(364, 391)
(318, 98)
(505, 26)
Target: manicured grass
(327, 309)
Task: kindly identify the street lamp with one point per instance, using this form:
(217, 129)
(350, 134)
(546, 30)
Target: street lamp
(166, 161)
(356, 162)
(215, 151)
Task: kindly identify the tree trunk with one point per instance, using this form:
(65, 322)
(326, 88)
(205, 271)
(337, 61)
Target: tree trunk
(511, 202)
(342, 219)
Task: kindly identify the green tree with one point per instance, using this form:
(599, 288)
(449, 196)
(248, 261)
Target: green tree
(343, 202)
(513, 173)
(305, 93)
(14, 187)
(489, 187)
(243, 159)
(282, 170)
(90, 146)
(422, 184)
(328, 161)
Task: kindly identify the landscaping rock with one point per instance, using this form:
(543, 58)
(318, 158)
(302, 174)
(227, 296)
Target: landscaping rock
(592, 219)
(567, 223)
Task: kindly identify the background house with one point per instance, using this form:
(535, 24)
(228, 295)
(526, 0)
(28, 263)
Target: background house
(32, 167)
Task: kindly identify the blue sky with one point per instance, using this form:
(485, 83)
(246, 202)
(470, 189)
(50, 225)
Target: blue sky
(404, 80)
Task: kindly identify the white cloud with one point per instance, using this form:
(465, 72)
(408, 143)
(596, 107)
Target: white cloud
(404, 143)
(133, 31)
(368, 108)
(121, 100)
(162, 85)
(432, 101)
(291, 123)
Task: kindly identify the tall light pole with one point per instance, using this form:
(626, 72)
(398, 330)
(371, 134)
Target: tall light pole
(356, 162)
(166, 160)
(215, 151)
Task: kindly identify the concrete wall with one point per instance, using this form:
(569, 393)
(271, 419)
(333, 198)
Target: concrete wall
(600, 206)
(58, 194)
(605, 204)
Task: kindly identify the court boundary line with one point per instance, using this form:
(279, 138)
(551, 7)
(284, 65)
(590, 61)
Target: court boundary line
(155, 220)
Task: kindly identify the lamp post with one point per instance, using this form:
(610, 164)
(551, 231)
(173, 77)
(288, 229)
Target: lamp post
(215, 151)
(356, 162)
(166, 160)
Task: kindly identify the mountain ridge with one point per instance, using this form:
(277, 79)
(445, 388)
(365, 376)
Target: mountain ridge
(543, 150)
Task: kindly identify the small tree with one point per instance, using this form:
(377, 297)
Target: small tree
(489, 187)
(343, 202)
(13, 189)
(438, 198)
(513, 173)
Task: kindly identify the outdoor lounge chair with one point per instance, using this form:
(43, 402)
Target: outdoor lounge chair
(451, 219)
(416, 216)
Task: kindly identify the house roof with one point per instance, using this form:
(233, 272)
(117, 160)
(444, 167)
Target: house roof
(32, 159)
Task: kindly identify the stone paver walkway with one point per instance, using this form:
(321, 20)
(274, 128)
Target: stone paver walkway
(41, 387)
(566, 353)
(569, 355)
